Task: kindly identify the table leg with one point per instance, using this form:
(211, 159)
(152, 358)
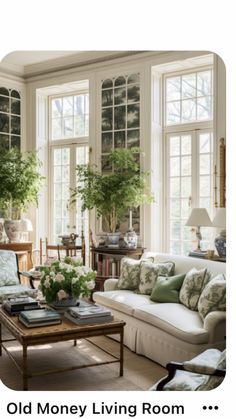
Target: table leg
(25, 368)
(75, 342)
(0, 339)
(122, 352)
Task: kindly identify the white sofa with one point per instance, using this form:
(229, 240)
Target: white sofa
(165, 332)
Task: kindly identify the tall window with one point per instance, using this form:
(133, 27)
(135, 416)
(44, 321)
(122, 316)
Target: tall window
(188, 153)
(68, 142)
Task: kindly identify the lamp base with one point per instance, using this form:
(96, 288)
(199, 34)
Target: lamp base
(220, 244)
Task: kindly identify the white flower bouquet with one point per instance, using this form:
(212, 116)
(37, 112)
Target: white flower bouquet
(66, 279)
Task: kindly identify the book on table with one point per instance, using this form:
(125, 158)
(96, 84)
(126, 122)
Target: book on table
(41, 317)
(91, 320)
(18, 304)
(89, 315)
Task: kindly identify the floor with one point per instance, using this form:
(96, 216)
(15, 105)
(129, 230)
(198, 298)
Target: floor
(140, 373)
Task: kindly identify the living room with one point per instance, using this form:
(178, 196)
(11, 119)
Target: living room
(167, 110)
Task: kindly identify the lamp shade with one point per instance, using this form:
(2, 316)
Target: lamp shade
(220, 218)
(26, 225)
(199, 217)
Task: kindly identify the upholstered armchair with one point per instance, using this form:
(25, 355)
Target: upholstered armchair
(204, 372)
(10, 283)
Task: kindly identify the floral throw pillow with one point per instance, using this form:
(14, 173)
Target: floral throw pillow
(149, 273)
(8, 268)
(129, 274)
(213, 297)
(192, 287)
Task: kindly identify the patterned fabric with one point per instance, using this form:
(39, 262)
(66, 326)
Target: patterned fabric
(185, 381)
(205, 363)
(13, 291)
(129, 274)
(192, 287)
(213, 381)
(149, 273)
(166, 289)
(8, 268)
(213, 297)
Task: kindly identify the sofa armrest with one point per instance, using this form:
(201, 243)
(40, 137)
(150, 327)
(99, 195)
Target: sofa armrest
(215, 324)
(110, 284)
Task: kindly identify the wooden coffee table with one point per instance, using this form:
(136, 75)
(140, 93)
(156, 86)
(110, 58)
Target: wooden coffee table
(56, 333)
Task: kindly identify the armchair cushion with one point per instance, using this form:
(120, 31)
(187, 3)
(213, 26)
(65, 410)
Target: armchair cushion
(213, 297)
(192, 287)
(8, 268)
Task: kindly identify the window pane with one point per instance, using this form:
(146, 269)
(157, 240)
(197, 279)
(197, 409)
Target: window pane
(205, 203)
(57, 156)
(56, 129)
(175, 187)
(186, 165)
(57, 206)
(186, 187)
(175, 247)
(205, 164)
(79, 126)
(188, 86)
(65, 156)
(133, 138)
(65, 173)
(67, 127)
(133, 94)
(173, 113)
(107, 97)
(204, 86)
(186, 144)
(133, 116)
(57, 190)
(205, 186)
(173, 88)
(107, 142)
(204, 108)
(56, 108)
(175, 230)
(107, 123)
(57, 174)
(174, 166)
(174, 146)
(119, 117)
(204, 146)
(185, 209)
(119, 139)
(68, 106)
(120, 95)
(174, 208)
(79, 106)
(188, 110)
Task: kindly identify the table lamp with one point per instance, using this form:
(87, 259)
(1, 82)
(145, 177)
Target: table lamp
(220, 241)
(199, 218)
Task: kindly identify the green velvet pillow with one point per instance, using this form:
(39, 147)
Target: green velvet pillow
(166, 289)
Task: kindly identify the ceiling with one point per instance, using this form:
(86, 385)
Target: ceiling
(32, 63)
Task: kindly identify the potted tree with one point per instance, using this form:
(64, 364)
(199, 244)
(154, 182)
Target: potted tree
(114, 194)
(20, 181)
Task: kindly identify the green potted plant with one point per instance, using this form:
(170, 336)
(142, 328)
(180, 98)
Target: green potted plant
(20, 181)
(115, 194)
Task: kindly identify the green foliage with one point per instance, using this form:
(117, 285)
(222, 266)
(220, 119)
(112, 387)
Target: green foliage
(113, 195)
(68, 276)
(20, 181)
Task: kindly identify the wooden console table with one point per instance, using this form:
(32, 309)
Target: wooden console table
(19, 248)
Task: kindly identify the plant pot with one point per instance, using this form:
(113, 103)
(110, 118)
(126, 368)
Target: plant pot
(13, 230)
(113, 239)
(66, 302)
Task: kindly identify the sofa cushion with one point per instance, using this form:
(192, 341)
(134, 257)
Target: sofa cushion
(129, 274)
(149, 273)
(175, 319)
(125, 301)
(213, 297)
(166, 289)
(8, 268)
(13, 291)
(194, 282)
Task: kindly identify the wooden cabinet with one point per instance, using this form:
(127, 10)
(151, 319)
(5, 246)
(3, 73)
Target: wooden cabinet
(106, 261)
(23, 251)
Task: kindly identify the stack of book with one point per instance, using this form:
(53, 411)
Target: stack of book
(16, 305)
(41, 317)
(89, 315)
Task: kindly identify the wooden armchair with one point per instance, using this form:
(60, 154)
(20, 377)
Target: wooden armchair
(69, 249)
(204, 372)
(10, 280)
